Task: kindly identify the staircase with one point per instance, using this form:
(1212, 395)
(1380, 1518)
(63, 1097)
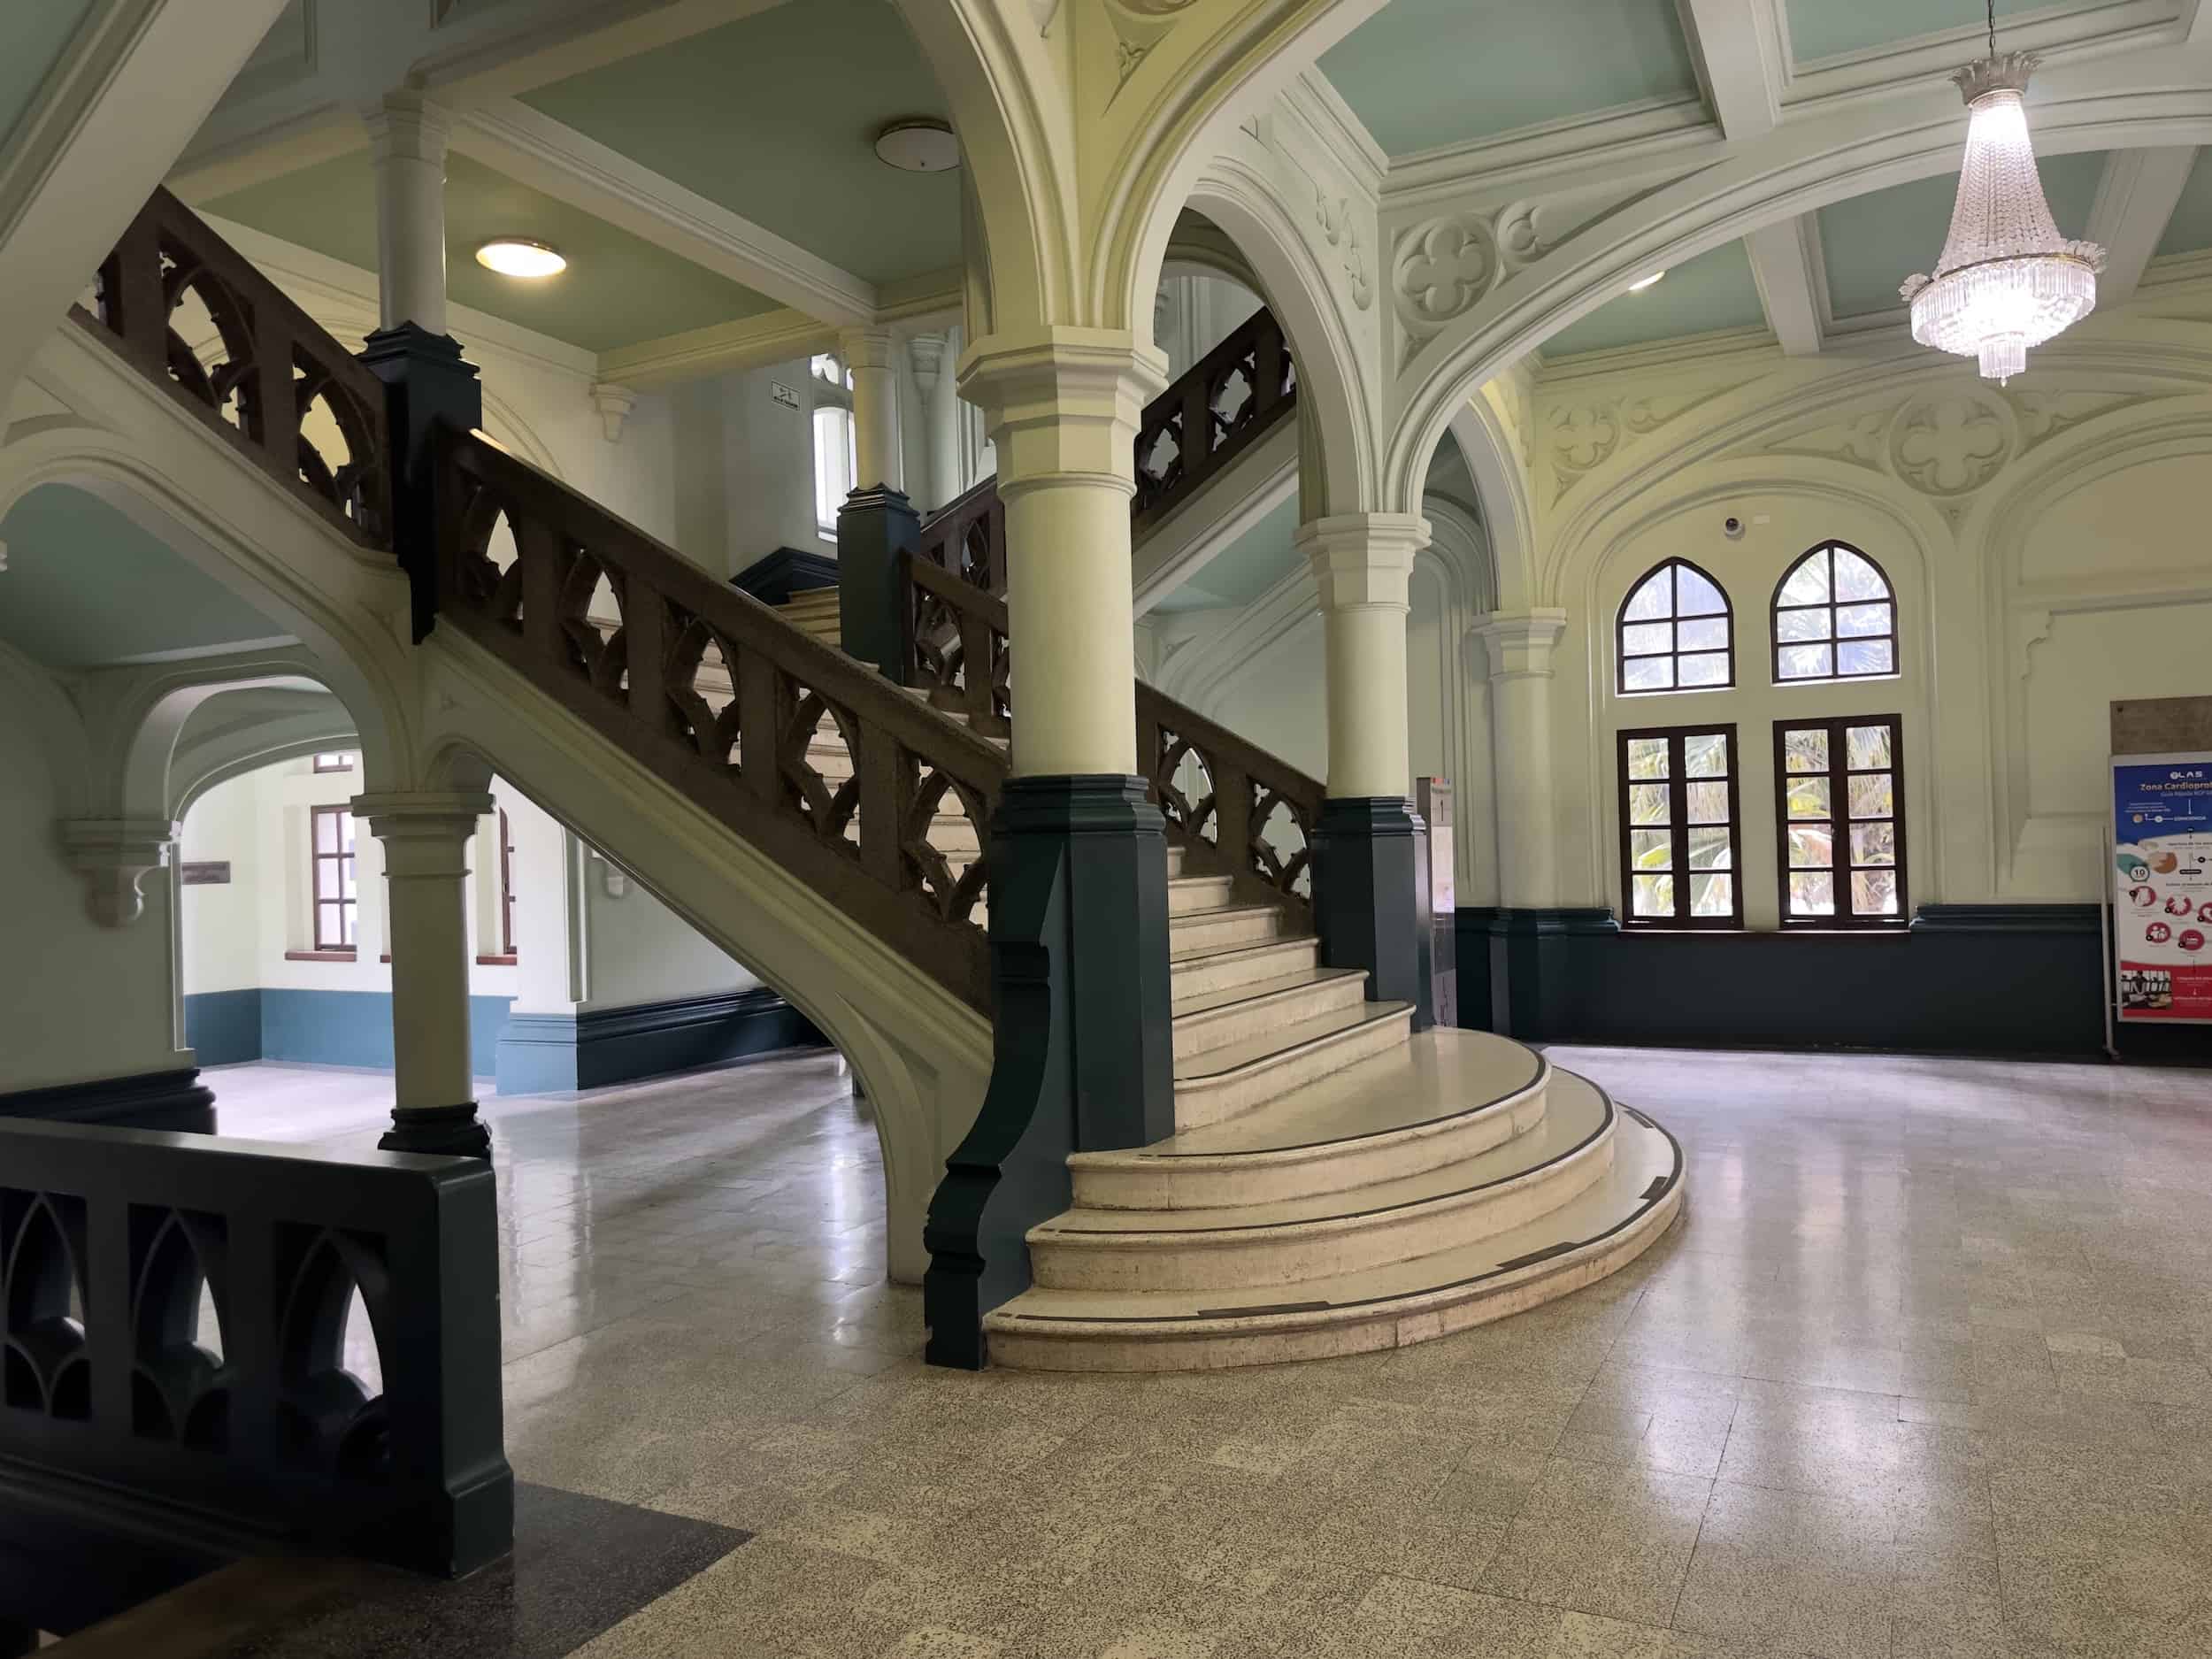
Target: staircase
(1335, 1181)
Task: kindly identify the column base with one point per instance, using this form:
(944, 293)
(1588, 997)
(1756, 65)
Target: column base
(443, 1131)
(1084, 1047)
(1369, 881)
(876, 529)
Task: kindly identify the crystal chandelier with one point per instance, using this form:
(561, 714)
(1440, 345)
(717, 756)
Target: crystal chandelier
(2007, 280)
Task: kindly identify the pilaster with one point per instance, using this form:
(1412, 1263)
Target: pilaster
(1521, 646)
(877, 462)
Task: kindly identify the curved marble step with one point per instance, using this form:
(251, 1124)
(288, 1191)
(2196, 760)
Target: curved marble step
(1238, 1076)
(1201, 973)
(1441, 1096)
(1287, 1242)
(1595, 1233)
(1217, 1018)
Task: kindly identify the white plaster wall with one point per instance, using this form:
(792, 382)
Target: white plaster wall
(221, 926)
(642, 952)
(768, 464)
(77, 1001)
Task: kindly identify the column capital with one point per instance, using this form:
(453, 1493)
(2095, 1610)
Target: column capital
(1362, 559)
(865, 346)
(1062, 405)
(114, 855)
(408, 127)
(434, 815)
(1520, 642)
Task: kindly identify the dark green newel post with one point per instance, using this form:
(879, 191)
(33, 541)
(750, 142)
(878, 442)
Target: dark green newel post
(1370, 877)
(877, 530)
(1084, 1048)
(427, 381)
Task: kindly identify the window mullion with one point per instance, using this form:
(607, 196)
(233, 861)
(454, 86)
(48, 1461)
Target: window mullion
(1679, 823)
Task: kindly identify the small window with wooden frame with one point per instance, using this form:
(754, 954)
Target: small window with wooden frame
(339, 761)
(1841, 788)
(1681, 817)
(506, 890)
(336, 887)
(1835, 617)
(1675, 633)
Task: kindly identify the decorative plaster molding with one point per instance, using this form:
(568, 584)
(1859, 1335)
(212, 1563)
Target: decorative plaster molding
(115, 856)
(614, 403)
(1583, 436)
(1948, 446)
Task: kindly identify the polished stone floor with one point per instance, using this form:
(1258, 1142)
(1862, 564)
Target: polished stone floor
(1923, 1371)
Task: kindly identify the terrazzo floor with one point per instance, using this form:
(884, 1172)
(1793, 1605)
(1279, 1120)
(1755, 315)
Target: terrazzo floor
(1921, 1372)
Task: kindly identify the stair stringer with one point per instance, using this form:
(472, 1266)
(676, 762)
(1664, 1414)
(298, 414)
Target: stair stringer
(922, 1056)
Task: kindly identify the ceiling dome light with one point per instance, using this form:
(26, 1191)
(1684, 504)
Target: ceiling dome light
(518, 257)
(920, 145)
(2007, 280)
(1638, 287)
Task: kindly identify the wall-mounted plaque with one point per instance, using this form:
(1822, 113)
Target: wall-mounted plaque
(214, 873)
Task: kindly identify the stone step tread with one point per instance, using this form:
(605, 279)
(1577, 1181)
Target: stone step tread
(1218, 1066)
(1646, 1172)
(1435, 1074)
(1226, 883)
(1289, 947)
(1260, 991)
(1189, 921)
(1575, 1114)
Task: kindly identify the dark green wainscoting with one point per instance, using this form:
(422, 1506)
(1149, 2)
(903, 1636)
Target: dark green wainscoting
(1963, 978)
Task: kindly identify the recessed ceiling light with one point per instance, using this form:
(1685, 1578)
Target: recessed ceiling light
(921, 145)
(518, 257)
(1638, 287)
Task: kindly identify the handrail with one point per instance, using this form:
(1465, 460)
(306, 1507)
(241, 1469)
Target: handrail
(277, 364)
(967, 536)
(652, 686)
(122, 1395)
(1221, 795)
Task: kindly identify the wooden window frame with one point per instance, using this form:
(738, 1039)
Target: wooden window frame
(1673, 619)
(1839, 774)
(1835, 641)
(327, 950)
(342, 760)
(1677, 803)
(506, 888)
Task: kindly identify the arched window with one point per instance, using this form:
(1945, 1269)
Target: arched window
(1835, 617)
(834, 463)
(1675, 633)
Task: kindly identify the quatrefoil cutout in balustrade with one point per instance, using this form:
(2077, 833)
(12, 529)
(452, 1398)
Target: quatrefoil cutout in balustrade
(179, 1390)
(700, 677)
(1160, 455)
(1185, 786)
(1229, 400)
(817, 733)
(209, 341)
(591, 615)
(328, 1416)
(337, 449)
(1282, 844)
(44, 1367)
(490, 566)
(945, 851)
(975, 556)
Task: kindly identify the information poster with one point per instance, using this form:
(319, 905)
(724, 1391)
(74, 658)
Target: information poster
(2161, 893)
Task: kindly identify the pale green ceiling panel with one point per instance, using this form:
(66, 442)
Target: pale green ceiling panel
(1827, 28)
(775, 118)
(2190, 229)
(86, 586)
(1871, 243)
(1244, 569)
(1715, 291)
(1425, 73)
(618, 289)
(33, 34)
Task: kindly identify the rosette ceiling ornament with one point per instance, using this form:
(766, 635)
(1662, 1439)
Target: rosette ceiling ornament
(2007, 280)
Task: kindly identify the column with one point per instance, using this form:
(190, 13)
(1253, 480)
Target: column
(1369, 856)
(927, 353)
(427, 838)
(1084, 1047)
(1527, 957)
(876, 527)
(411, 351)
